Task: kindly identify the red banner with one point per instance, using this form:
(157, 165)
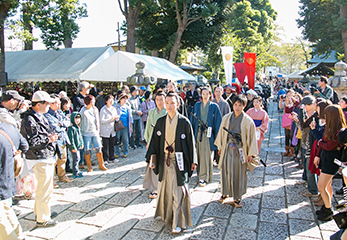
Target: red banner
(240, 69)
(250, 68)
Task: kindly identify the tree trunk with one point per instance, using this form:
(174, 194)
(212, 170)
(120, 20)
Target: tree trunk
(155, 53)
(68, 43)
(343, 14)
(131, 33)
(177, 44)
(4, 8)
(28, 45)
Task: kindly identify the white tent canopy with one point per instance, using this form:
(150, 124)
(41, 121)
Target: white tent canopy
(122, 65)
(51, 65)
(295, 75)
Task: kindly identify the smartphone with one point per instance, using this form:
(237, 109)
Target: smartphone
(339, 163)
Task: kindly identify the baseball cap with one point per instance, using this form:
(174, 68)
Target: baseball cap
(143, 88)
(40, 96)
(9, 94)
(133, 88)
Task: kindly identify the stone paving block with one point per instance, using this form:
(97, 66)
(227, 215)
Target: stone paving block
(303, 228)
(27, 204)
(196, 212)
(249, 205)
(273, 190)
(49, 233)
(129, 178)
(100, 216)
(137, 185)
(199, 198)
(272, 231)
(294, 195)
(217, 209)
(87, 205)
(240, 234)
(98, 183)
(148, 223)
(123, 198)
(77, 195)
(254, 181)
(273, 202)
(274, 180)
(253, 192)
(300, 212)
(327, 234)
(328, 226)
(273, 215)
(22, 211)
(258, 172)
(210, 228)
(27, 225)
(116, 228)
(78, 231)
(59, 206)
(71, 184)
(113, 175)
(110, 190)
(166, 234)
(69, 216)
(140, 206)
(275, 170)
(210, 187)
(243, 220)
(139, 234)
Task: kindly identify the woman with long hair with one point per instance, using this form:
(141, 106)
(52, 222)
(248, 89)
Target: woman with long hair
(328, 150)
(205, 131)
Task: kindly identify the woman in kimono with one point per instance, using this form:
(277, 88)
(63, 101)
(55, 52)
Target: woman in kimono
(209, 115)
(237, 151)
(261, 120)
(172, 155)
(150, 180)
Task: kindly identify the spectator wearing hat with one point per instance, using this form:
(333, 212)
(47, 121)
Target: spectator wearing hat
(228, 95)
(42, 148)
(127, 119)
(9, 225)
(136, 113)
(11, 100)
(59, 124)
(142, 94)
(192, 97)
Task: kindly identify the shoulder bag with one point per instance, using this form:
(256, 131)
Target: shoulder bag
(18, 160)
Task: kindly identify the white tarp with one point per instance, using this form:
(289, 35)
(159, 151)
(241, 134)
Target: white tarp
(122, 65)
(51, 65)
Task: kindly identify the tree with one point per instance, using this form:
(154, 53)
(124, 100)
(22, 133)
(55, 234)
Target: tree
(6, 7)
(131, 10)
(57, 22)
(324, 24)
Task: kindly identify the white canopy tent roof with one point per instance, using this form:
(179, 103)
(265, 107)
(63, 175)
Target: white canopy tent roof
(122, 65)
(295, 75)
(51, 65)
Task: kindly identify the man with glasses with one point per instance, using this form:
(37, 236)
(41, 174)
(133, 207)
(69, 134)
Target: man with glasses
(59, 123)
(41, 154)
(11, 100)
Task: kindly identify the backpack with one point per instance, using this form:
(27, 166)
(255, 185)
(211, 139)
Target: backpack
(335, 98)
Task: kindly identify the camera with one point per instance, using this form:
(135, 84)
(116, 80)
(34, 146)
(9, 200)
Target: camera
(283, 96)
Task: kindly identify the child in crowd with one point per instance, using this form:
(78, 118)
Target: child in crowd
(76, 142)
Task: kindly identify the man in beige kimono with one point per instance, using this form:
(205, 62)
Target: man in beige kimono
(173, 146)
(237, 151)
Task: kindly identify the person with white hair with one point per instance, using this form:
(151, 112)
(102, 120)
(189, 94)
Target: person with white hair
(78, 102)
(251, 94)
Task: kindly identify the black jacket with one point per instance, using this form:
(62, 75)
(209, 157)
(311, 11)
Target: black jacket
(184, 142)
(36, 130)
(7, 182)
(78, 102)
(192, 99)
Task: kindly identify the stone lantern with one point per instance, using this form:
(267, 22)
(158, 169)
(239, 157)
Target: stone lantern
(139, 78)
(339, 81)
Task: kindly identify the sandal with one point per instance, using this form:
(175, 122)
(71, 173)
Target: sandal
(222, 198)
(153, 195)
(237, 203)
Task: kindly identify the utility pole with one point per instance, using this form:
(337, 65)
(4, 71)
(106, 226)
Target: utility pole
(118, 36)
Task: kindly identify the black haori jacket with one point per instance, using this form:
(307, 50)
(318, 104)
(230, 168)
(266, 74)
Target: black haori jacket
(184, 142)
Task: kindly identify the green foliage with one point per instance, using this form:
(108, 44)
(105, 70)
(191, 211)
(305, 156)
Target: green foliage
(207, 74)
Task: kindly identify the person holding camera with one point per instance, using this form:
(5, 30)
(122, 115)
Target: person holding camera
(42, 148)
(289, 103)
(10, 101)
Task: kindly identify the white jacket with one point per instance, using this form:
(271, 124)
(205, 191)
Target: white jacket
(106, 125)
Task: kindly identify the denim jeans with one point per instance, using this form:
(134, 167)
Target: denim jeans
(88, 141)
(123, 136)
(75, 161)
(310, 178)
(136, 133)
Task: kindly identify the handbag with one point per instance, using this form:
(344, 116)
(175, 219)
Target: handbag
(118, 125)
(286, 120)
(18, 160)
(299, 134)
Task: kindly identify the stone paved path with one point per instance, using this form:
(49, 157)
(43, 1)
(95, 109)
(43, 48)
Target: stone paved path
(113, 205)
